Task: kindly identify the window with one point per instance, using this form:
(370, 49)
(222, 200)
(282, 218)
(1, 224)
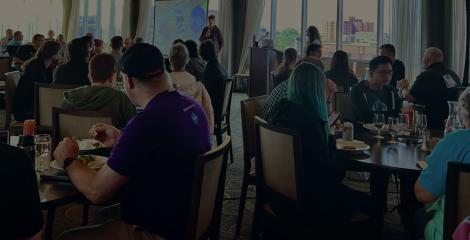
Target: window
(150, 24)
(265, 27)
(322, 14)
(288, 25)
(37, 16)
(103, 18)
(360, 28)
(387, 21)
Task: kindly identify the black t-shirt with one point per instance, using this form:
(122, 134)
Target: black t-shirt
(72, 73)
(25, 52)
(430, 89)
(20, 204)
(343, 79)
(398, 72)
(365, 102)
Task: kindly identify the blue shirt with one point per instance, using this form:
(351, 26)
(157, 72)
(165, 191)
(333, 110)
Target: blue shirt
(156, 151)
(454, 147)
(14, 42)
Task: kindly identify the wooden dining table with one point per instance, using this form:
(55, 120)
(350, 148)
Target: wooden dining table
(53, 194)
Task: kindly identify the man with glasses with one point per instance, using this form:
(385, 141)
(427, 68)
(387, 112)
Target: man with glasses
(433, 88)
(398, 67)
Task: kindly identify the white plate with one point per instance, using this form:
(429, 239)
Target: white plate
(100, 161)
(351, 146)
(88, 144)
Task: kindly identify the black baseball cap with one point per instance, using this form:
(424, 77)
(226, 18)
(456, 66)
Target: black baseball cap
(142, 61)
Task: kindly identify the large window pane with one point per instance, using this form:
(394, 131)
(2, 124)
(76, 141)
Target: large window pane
(288, 24)
(103, 18)
(266, 20)
(322, 14)
(387, 21)
(31, 17)
(360, 28)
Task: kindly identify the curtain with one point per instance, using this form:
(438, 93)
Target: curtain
(145, 8)
(406, 34)
(459, 37)
(254, 14)
(126, 19)
(226, 26)
(71, 15)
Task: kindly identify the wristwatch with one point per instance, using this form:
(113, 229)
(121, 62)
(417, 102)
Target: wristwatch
(67, 162)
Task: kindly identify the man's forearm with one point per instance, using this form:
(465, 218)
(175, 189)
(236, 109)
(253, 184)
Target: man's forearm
(83, 177)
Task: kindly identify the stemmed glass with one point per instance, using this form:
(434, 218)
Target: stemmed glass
(43, 147)
(421, 123)
(379, 121)
(394, 128)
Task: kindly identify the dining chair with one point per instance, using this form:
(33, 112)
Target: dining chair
(342, 104)
(278, 164)
(457, 197)
(249, 109)
(222, 127)
(73, 123)
(46, 97)
(11, 81)
(5, 65)
(207, 193)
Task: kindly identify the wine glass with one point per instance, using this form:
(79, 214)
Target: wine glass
(379, 121)
(394, 128)
(43, 147)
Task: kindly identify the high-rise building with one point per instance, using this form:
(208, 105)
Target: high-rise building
(329, 31)
(354, 25)
(368, 27)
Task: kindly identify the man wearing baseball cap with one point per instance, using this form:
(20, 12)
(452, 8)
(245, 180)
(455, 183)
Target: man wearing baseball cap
(151, 160)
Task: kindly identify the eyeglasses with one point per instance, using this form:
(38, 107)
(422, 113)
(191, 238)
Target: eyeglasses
(383, 73)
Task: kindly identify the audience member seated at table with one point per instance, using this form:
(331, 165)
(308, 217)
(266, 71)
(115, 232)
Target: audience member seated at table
(50, 35)
(340, 72)
(101, 96)
(374, 94)
(21, 212)
(27, 51)
(37, 69)
(75, 71)
(280, 91)
(8, 37)
(15, 43)
(116, 49)
(99, 46)
(433, 88)
(138, 40)
(313, 51)
(128, 42)
(214, 77)
(195, 65)
(430, 187)
(286, 67)
(187, 84)
(398, 67)
(152, 159)
(331, 203)
(313, 36)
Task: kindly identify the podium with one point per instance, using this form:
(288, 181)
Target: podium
(262, 63)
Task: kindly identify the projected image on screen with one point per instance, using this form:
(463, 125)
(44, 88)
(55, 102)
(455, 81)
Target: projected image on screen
(184, 19)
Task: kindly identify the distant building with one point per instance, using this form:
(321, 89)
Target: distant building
(329, 31)
(354, 25)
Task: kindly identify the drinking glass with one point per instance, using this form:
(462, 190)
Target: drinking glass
(394, 128)
(421, 123)
(404, 121)
(379, 121)
(43, 147)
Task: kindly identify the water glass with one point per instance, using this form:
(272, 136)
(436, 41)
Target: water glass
(404, 121)
(379, 122)
(394, 128)
(43, 148)
(421, 123)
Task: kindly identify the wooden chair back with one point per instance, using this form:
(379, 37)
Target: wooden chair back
(278, 157)
(46, 97)
(249, 109)
(207, 192)
(72, 123)
(227, 98)
(11, 81)
(457, 198)
(5, 65)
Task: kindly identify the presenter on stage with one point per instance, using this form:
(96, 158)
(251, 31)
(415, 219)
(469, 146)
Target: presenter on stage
(212, 32)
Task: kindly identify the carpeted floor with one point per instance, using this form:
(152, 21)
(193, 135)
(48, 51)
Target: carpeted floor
(69, 216)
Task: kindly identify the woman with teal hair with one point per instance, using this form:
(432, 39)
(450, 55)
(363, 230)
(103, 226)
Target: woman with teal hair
(331, 204)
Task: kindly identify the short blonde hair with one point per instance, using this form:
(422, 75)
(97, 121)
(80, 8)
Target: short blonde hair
(179, 56)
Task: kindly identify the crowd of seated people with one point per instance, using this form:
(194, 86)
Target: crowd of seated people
(179, 112)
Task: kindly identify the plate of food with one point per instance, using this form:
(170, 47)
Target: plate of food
(91, 161)
(373, 129)
(351, 146)
(89, 144)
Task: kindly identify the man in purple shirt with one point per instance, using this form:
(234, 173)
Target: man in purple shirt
(152, 159)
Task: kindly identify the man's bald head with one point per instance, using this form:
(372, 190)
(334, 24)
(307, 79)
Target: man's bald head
(432, 55)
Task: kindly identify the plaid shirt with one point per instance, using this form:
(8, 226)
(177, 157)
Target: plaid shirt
(276, 95)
